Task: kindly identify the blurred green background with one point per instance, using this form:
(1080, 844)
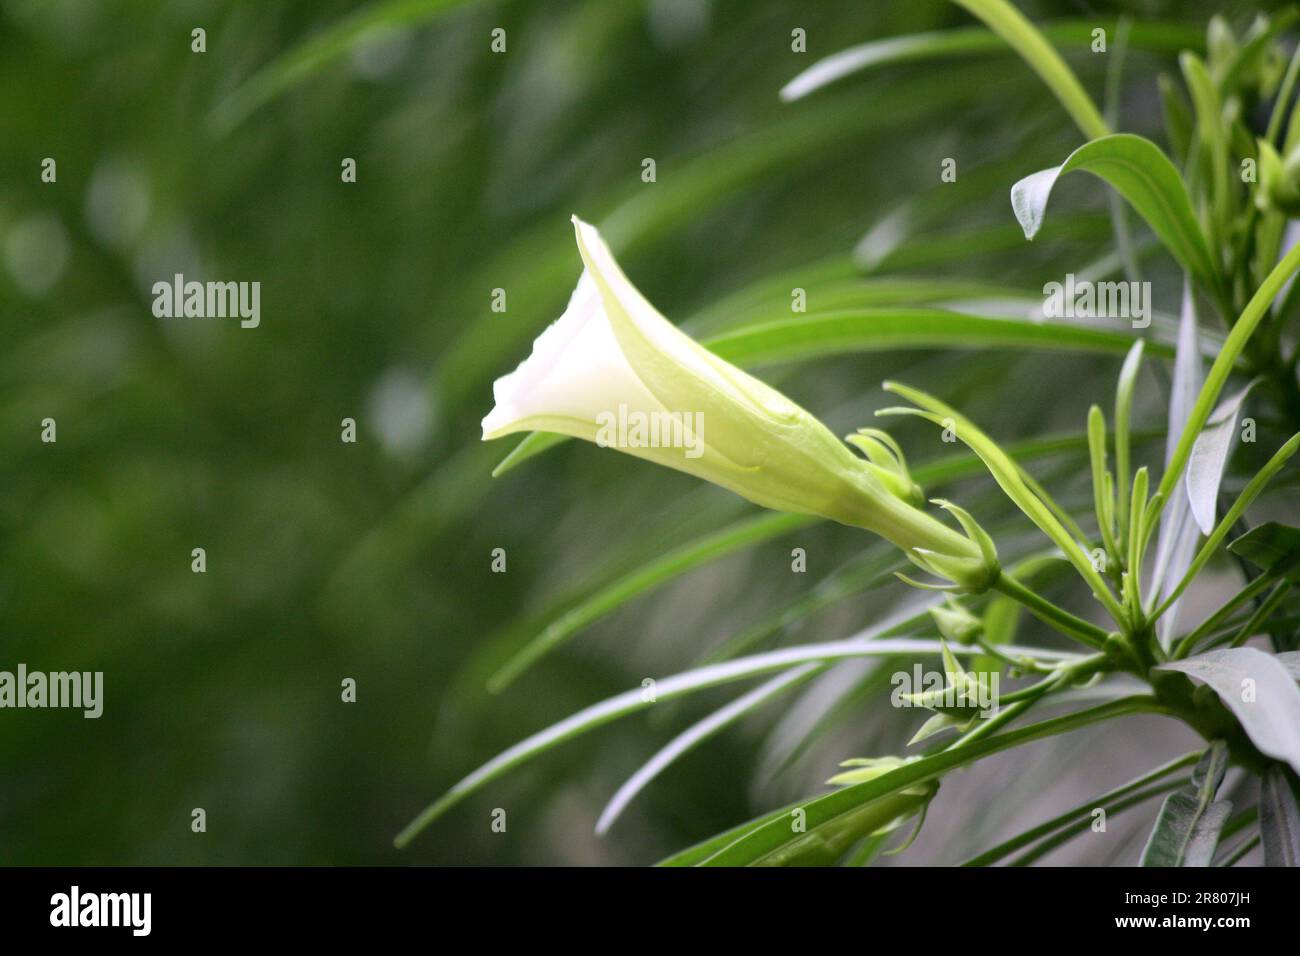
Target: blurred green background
(328, 560)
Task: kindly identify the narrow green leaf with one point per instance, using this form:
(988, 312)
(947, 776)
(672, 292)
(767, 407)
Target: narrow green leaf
(677, 685)
(696, 734)
(1208, 109)
(775, 837)
(1009, 476)
(1144, 176)
(1023, 37)
(699, 852)
(534, 443)
(1187, 830)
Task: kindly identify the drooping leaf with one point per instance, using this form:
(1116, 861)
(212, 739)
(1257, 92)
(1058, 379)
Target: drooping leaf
(1186, 832)
(1144, 176)
(1260, 692)
(1279, 819)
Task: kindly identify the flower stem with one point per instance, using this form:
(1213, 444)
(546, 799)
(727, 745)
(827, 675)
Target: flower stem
(1065, 622)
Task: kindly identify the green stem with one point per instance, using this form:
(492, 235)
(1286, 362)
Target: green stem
(1065, 622)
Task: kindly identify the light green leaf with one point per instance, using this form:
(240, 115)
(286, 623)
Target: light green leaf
(1144, 176)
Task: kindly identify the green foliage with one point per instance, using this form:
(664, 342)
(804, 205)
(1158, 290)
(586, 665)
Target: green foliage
(1214, 230)
(777, 171)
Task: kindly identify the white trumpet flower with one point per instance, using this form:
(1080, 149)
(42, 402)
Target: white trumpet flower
(612, 370)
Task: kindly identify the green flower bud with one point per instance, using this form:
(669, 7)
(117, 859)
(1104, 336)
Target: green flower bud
(613, 371)
(956, 623)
